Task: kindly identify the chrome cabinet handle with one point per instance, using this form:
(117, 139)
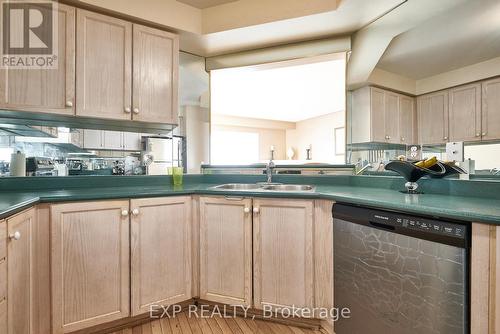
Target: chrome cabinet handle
(445, 138)
(69, 104)
(484, 133)
(124, 213)
(246, 210)
(478, 134)
(402, 138)
(256, 210)
(15, 236)
(135, 212)
(127, 110)
(136, 110)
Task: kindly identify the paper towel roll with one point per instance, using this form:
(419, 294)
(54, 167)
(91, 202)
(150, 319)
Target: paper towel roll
(17, 164)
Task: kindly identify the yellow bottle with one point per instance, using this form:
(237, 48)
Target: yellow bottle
(427, 163)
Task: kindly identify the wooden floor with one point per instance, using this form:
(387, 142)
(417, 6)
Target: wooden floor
(182, 324)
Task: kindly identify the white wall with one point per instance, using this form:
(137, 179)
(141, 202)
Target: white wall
(319, 132)
(197, 132)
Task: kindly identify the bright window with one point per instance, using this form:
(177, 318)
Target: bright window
(231, 147)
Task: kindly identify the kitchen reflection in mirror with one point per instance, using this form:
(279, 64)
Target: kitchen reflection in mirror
(292, 111)
(59, 151)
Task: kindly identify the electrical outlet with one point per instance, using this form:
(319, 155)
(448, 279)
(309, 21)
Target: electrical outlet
(455, 151)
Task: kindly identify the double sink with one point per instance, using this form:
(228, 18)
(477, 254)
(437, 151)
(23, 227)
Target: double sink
(264, 187)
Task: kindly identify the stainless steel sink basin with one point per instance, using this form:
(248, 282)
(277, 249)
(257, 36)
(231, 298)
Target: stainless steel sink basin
(288, 187)
(239, 186)
(264, 187)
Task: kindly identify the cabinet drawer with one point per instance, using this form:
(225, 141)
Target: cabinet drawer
(3, 280)
(3, 239)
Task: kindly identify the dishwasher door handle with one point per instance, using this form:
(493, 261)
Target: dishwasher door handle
(383, 226)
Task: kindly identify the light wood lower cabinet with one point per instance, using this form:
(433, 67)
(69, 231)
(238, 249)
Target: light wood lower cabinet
(20, 267)
(485, 279)
(283, 253)
(160, 252)
(226, 250)
(90, 264)
(3, 276)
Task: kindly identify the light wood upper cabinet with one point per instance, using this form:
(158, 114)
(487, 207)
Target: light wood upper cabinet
(43, 90)
(89, 263)
(155, 70)
(20, 269)
(382, 116)
(131, 141)
(113, 140)
(491, 109)
(432, 110)
(283, 253)
(104, 66)
(93, 139)
(406, 119)
(160, 252)
(226, 250)
(391, 110)
(465, 113)
(376, 114)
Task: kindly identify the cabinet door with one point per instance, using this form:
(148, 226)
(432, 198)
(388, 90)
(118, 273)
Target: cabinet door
(3, 276)
(113, 140)
(104, 65)
(406, 119)
(391, 110)
(432, 110)
(283, 253)
(93, 139)
(20, 273)
(90, 264)
(156, 62)
(491, 110)
(45, 90)
(226, 250)
(465, 113)
(132, 141)
(377, 103)
(161, 252)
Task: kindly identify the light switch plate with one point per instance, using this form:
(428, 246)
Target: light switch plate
(455, 151)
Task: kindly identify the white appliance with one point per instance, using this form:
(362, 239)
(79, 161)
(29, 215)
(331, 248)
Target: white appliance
(159, 153)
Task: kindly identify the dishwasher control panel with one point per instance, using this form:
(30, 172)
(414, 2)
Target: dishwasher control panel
(403, 223)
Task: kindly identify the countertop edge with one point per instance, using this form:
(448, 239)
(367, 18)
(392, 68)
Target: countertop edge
(441, 213)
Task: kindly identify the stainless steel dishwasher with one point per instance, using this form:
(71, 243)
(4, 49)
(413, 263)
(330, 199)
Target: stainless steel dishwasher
(400, 274)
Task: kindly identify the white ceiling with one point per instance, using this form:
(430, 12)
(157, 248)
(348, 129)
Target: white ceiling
(350, 16)
(283, 93)
(467, 34)
(201, 4)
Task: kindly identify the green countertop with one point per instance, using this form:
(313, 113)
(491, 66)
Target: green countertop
(383, 193)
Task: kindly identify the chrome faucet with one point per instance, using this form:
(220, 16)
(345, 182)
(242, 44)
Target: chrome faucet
(361, 171)
(269, 169)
